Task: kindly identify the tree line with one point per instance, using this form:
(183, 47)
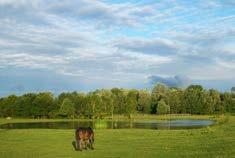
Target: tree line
(107, 102)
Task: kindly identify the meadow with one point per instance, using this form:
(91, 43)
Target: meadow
(214, 141)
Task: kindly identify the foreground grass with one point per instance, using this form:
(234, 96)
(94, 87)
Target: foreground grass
(216, 141)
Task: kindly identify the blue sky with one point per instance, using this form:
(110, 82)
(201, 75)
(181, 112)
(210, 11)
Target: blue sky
(49, 45)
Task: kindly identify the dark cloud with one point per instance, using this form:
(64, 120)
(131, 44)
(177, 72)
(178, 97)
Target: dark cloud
(176, 81)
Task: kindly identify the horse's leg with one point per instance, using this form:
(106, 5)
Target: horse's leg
(80, 144)
(85, 144)
(88, 143)
(74, 144)
(91, 143)
(92, 148)
(77, 145)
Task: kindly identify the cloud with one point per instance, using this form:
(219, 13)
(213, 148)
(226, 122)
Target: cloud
(33, 61)
(148, 46)
(118, 43)
(102, 13)
(14, 3)
(176, 81)
(229, 64)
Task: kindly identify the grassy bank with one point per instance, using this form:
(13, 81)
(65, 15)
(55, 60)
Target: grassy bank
(215, 141)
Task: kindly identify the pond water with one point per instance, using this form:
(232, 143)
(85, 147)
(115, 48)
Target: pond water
(102, 124)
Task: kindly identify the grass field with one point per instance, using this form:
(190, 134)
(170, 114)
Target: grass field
(216, 141)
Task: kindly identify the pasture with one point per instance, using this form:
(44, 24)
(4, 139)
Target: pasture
(215, 141)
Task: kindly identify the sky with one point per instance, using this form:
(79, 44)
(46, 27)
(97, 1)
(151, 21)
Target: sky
(83, 45)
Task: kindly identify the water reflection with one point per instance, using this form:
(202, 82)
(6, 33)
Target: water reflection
(103, 124)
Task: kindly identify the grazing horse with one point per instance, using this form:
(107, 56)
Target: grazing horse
(84, 138)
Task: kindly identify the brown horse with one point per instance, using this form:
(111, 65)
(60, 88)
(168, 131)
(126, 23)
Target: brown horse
(84, 138)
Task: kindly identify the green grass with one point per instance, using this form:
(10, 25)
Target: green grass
(216, 141)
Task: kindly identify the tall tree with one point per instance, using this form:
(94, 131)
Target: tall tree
(118, 100)
(144, 102)
(67, 108)
(228, 102)
(43, 104)
(131, 102)
(23, 107)
(1, 107)
(79, 101)
(9, 106)
(93, 105)
(216, 104)
(174, 100)
(207, 103)
(107, 102)
(162, 107)
(159, 92)
(193, 99)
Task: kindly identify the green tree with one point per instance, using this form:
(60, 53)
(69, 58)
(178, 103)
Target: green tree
(207, 103)
(193, 98)
(43, 104)
(216, 105)
(144, 102)
(67, 108)
(107, 102)
(174, 100)
(24, 105)
(159, 92)
(1, 107)
(93, 108)
(99, 103)
(119, 100)
(9, 106)
(162, 107)
(228, 102)
(80, 104)
(131, 102)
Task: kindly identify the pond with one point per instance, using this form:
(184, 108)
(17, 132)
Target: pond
(104, 124)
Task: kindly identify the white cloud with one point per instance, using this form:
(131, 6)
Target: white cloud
(150, 46)
(30, 61)
(228, 64)
(118, 41)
